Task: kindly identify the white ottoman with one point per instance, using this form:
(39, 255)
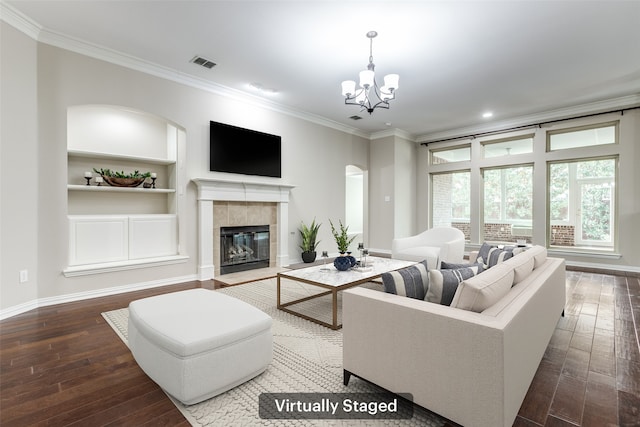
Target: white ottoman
(199, 343)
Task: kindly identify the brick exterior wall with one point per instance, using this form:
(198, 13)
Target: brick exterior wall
(563, 235)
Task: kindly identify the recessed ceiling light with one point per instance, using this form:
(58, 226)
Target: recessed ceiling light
(487, 114)
(260, 88)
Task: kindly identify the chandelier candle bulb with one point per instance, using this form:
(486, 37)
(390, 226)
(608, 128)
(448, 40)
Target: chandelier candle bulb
(348, 88)
(391, 81)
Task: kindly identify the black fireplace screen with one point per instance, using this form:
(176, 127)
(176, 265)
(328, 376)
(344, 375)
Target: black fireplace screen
(244, 248)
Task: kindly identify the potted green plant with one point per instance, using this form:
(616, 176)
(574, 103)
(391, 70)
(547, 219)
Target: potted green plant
(309, 242)
(342, 237)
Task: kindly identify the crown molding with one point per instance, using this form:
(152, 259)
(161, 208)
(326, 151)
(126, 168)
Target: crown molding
(399, 133)
(628, 101)
(31, 28)
(19, 20)
(128, 61)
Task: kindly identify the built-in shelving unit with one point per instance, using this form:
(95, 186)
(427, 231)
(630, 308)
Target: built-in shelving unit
(114, 228)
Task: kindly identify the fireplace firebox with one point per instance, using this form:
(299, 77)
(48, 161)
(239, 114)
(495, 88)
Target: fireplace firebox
(244, 248)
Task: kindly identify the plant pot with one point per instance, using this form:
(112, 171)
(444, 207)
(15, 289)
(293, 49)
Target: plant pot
(308, 256)
(352, 259)
(342, 263)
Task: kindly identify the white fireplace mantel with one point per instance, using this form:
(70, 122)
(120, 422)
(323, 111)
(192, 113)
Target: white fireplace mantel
(211, 190)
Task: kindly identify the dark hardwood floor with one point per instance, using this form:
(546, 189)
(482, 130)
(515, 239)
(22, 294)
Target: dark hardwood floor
(63, 365)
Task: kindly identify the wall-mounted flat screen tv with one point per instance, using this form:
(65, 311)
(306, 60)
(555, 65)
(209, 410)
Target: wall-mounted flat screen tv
(244, 151)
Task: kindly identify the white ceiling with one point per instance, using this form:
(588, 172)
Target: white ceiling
(456, 59)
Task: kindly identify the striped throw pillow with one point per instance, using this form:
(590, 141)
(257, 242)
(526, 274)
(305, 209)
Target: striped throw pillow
(444, 283)
(411, 282)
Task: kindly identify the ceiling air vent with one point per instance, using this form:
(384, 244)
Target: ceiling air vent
(204, 62)
(355, 117)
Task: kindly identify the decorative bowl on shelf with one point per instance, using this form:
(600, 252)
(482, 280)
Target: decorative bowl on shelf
(123, 182)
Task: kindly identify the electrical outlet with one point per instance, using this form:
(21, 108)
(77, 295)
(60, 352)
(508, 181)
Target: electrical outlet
(24, 276)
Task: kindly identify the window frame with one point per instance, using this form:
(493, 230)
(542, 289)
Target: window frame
(615, 124)
(453, 148)
(503, 193)
(540, 159)
(574, 200)
(485, 143)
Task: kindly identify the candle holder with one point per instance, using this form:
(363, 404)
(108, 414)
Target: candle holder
(99, 180)
(88, 178)
(325, 255)
(153, 182)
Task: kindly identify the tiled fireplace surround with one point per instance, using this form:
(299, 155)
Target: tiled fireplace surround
(224, 203)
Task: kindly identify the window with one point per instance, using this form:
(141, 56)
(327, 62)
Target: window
(485, 187)
(449, 155)
(582, 203)
(582, 137)
(507, 147)
(508, 205)
(451, 200)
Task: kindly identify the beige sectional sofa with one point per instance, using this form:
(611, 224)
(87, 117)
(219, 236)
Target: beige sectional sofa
(472, 366)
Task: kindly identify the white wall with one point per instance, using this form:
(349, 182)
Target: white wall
(20, 174)
(392, 191)
(314, 160)
(381, 193)
(405, 155)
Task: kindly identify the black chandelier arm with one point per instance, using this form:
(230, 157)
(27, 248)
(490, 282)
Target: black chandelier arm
(367, 105)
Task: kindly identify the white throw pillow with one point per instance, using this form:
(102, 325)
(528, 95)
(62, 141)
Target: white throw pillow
(482, 291)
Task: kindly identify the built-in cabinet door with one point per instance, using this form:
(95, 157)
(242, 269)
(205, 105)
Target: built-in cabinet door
(98, 239)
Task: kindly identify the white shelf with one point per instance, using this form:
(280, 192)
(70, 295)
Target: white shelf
(109, 267)
(107, 188)
(96, 155)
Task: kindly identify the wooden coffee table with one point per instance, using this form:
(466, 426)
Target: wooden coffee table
(329, 278)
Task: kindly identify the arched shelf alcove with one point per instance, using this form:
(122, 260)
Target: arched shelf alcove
(110, 227)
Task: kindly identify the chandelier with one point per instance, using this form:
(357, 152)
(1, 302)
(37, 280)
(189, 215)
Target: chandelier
(369, 96)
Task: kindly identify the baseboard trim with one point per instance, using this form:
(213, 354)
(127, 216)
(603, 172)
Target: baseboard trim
(625, 271)
(79, 296)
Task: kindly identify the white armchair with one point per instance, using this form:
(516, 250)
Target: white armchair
(435, 245)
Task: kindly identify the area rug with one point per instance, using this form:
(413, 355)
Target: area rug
(306, 358)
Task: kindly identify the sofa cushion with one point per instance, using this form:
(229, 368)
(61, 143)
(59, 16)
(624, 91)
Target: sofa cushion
(522, 265)
(444, 283)
(482, 291)
(411, 281)
(539, 254)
